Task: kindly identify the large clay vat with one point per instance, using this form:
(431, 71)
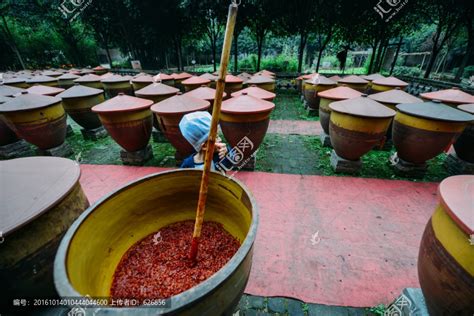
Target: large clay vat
(7, 135)
(357, 125)
(164, 78)
(78, 102)
(446, 257)
(195, 82)
(354, 82)
(178, 79)
(244, 123)
(421, 131)
(232, 84)
(51, 73)
(128, 120)
(391, 98)
(464, 145)
(91, 80)
(389, 83)
(141, 82)
(300, 81)
(42, 199)
(38, 119)
(329, 96)
(99, 70)
(212, 78)
(67, 80)
(116, 84)
(263, 82)
(170, 112)
(313, 86)
(43, 80)
(92, 248)
(452, 97)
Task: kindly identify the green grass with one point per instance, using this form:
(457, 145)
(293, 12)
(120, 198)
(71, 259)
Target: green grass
(288, 106)
(375, 164)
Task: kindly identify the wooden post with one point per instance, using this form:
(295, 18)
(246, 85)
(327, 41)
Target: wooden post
(231, 18)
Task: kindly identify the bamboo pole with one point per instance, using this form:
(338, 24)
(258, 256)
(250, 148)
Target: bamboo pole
(201, 207)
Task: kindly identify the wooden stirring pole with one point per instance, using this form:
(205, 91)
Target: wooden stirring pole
(216, 112)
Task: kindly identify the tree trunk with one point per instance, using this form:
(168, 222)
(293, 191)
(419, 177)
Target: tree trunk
(382, 56)
(434, 52)
(303, 38)
(214, 49)
(396, 55)
(107, 52)
(259, 51)
(469, 49)
(236, 51)
(377, 58)
(322, 48)
(372, 58)
(12, 43)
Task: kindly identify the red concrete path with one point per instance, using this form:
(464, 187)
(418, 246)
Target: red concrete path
(366, 248)
(312, 128)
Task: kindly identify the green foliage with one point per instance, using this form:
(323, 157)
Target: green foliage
(468, 71)
(279, 63)
(378, 310)
(407, 71)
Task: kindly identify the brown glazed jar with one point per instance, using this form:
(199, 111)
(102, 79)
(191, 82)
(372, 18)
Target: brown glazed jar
(446, 257)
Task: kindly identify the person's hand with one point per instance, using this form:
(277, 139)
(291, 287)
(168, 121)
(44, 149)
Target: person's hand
(221, 149)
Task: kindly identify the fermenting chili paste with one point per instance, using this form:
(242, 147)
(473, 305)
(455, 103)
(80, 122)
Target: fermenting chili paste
(158, 266)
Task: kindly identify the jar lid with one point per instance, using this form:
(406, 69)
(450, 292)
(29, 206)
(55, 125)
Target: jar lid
(86, 71)
(453, 95)
(246, 104)
(307, 76)
(339, 93)
(363, 107)
(352, 79)
(182, 76)
(99, 68)
(122, 103)
(68, 76)
(318, 79)
(193, 80)
(335, 78)
(208, 76)
(233, 79)
(51, 73)
(457, 197)
(469, 108)
(89, 78)
(255, 91)
(395, 96)
(44, 90)
(28, 101)
(4, 99)
(180, 104)
(435, 110)
(260, 79)
(162, 77)
(8, 91)
(14, 80)
(78, 91)
(41, 79)
(390, 82)
(373, 77)
(116, 78)
(35, 185)
(143, 79)
(203, 93)
(156, 89)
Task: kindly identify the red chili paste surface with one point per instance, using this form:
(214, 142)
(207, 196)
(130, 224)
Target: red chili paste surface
(158, 266)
